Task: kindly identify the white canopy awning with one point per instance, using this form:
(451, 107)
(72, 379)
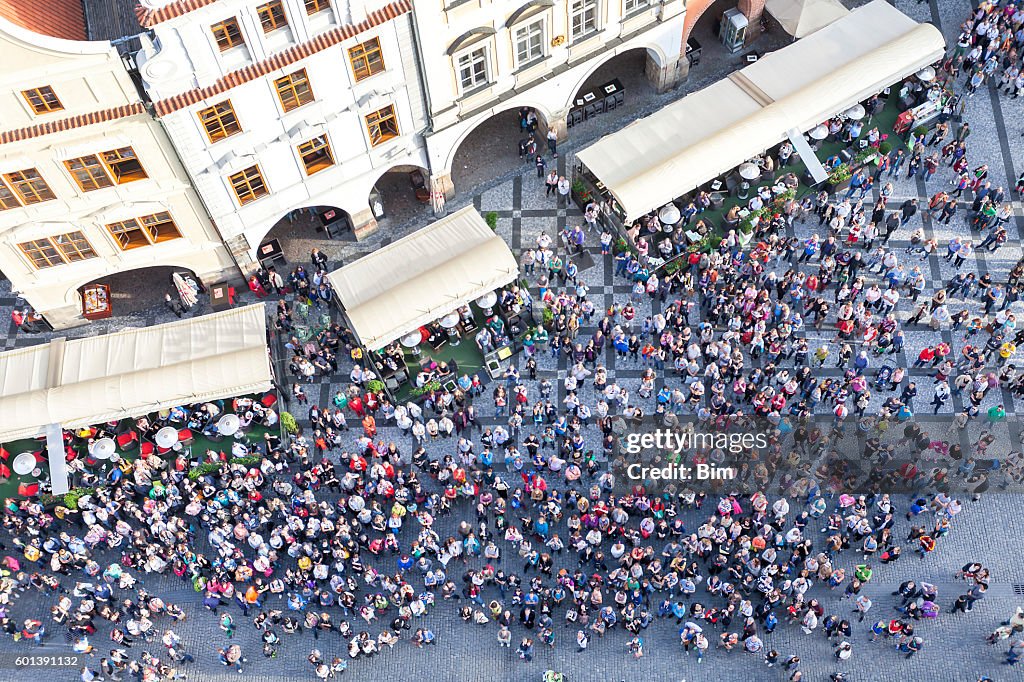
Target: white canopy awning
(654, 160)
(800, 18)
(422, 277)
(81, 382)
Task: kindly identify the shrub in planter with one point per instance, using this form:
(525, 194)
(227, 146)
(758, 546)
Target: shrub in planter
(921, 131)
(492, 219)
(426, 388)
(289, 423)
(548, 317)
(202, 470)
(840, 174)
(884, 147)
(375, 386)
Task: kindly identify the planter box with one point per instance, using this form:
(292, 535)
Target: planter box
(838, 187)
(578, 199)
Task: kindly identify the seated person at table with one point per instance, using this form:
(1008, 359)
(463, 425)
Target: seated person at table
(466, 314)
(199, 419)
(755, 203)
(496, 324)
(239, 449)
(391, 363)
(177, 416)
(832, 162)
(245, 419)
(484, 340)
(765, 193)
(242, 404)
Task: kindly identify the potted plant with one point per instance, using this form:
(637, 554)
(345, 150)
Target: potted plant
(580, 194)
(491, 217)
(375, 386)
(839, 178)
(289, 423)
(884, 147)
(548, 317)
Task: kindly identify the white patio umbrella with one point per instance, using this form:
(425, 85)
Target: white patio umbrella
(818, 132)
(749, 171)
(856, 112)
(926, 75)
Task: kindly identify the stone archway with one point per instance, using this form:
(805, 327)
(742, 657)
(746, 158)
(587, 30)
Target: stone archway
(400, 195)
(302, 229)
(137, 290)
(490, 147)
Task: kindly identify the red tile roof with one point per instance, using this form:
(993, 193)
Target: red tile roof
(151, 17)
(282, 59)
(57, 18)
(59, 125)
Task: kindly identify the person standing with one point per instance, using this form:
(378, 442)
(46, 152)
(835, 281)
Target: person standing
(563, 190)
(551, 183)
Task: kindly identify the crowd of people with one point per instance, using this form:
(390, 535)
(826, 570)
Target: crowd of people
(504, 502)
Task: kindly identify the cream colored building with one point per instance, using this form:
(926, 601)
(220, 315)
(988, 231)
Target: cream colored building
(482, 58)
(277, 105)
(89, 183)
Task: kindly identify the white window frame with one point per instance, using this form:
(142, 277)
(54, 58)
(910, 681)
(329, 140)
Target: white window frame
(470, 54)
(630, 6)
(579, 9)
(528, 26)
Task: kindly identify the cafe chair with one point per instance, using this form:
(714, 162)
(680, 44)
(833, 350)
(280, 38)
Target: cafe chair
(593, 109)
(185, 436)
(269, 400)
(146, 450)
(575, 116)
(40, 457)
(610, 102)
(28, 489)
(5, 472)
(4, 455)
(129, 440)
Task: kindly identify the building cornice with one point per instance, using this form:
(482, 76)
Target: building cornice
(63, 124)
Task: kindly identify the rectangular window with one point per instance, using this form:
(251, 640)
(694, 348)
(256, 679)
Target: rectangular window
(29, 186)
(583, 17)
(7, 198)
(630, 6)
(123, 165)
(529, 43)
(43, 100)
(294, 90)
(316, 154)
(317, 6)
(219, 121)
(143, 231)
(248, 184)
(473, 69)
(367, 59)
(382, 124)
(64, 248)
(228, 34)
(118, 166)
(88, 172)
(272, 16)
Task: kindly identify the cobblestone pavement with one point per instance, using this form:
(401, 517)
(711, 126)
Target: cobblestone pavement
(988, 530)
